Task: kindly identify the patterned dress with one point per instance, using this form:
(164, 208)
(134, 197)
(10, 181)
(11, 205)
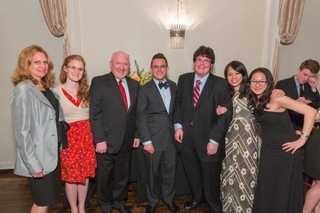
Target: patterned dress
(78, 161)
(240, 166)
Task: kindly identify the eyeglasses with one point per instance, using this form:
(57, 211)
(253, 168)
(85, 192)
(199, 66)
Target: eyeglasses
(204, 61)
(159, 67)
(75, 68)
(260, 83)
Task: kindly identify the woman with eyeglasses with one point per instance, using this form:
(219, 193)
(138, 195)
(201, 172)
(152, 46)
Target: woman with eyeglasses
(279, 187)
(240, 166)
(78, 161)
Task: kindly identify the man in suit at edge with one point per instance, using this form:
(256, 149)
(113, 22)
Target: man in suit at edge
(113, 117)
(155, 124)
(200, 132)
(291, 86)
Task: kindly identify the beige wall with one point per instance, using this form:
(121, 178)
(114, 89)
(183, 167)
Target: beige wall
(241, 30)
(21, 24)
(233, 29)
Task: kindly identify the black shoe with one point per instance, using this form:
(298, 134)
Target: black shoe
(173, 207)
(107, 211)
(123, 209)
(191, 205)
(150, 209)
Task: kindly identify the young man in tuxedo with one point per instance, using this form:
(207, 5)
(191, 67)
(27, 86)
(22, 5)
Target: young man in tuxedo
(112, 110)
(155, 124)
(302, 87)
(199, 131)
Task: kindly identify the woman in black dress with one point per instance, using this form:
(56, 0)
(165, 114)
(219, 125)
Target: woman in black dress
(279, 187)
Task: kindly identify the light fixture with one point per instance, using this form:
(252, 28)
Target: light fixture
(178, 27)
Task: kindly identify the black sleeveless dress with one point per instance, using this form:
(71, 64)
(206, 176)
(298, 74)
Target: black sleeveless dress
(311, 156)
(279, 188)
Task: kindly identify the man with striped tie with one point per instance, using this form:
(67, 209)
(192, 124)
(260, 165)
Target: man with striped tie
(199, 131)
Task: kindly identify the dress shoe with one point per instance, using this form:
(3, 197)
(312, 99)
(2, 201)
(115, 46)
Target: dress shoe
(173, 207)
(107, 211)
(123, 209)
(191, 205)
(150, 209)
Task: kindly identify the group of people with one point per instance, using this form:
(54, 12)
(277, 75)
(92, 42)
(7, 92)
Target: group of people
(211, 123)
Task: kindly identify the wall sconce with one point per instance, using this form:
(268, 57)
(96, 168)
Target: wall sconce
(178, 27)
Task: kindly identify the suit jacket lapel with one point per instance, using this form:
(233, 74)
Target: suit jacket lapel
(156, 93)
(293, 86)
(190, 86)
(115, 88)
(131, 91)
(173, 97)
(39, 94)
(206, 89)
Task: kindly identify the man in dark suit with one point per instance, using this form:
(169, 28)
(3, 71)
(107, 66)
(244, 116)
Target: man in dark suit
(200, 132)
(155, 124)
(113, 115)
(302, 87)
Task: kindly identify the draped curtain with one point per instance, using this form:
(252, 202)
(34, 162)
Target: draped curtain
(55, 15)
(289, 19)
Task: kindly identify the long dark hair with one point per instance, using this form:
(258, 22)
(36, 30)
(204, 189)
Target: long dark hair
(258, 105)
(240, 68)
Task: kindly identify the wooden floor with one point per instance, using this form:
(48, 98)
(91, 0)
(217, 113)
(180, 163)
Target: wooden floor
(15, 198)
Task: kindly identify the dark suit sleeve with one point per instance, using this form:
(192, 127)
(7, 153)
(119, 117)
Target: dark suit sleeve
(279, 85)
(221, 126)
(315, 98)
(142, 116)
(177, 109)
(95, 111)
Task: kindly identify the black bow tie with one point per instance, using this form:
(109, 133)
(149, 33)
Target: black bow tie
(164, 84)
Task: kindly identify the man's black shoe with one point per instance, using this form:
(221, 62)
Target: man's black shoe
(123, 209)
(191, 205)
(173, 207)
(150, 209)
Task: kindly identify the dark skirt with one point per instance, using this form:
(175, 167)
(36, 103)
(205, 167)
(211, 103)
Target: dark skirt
(311, 162)
(45, 191)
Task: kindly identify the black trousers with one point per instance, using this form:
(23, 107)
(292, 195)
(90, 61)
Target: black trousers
(203, 177)
(112, 179)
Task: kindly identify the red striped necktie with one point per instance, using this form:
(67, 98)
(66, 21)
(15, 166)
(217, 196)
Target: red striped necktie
(196, 93)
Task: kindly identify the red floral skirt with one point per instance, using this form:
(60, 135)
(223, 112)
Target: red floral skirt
(78, 161)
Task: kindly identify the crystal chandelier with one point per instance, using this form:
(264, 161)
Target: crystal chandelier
(178, 27)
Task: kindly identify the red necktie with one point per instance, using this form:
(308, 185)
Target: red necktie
(301, 90)
(196, 93)
(123, 94)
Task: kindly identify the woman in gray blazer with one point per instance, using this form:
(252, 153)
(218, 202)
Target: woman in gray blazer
(35, 112)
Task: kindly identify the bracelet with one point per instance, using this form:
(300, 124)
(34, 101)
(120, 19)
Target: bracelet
(305, 135)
